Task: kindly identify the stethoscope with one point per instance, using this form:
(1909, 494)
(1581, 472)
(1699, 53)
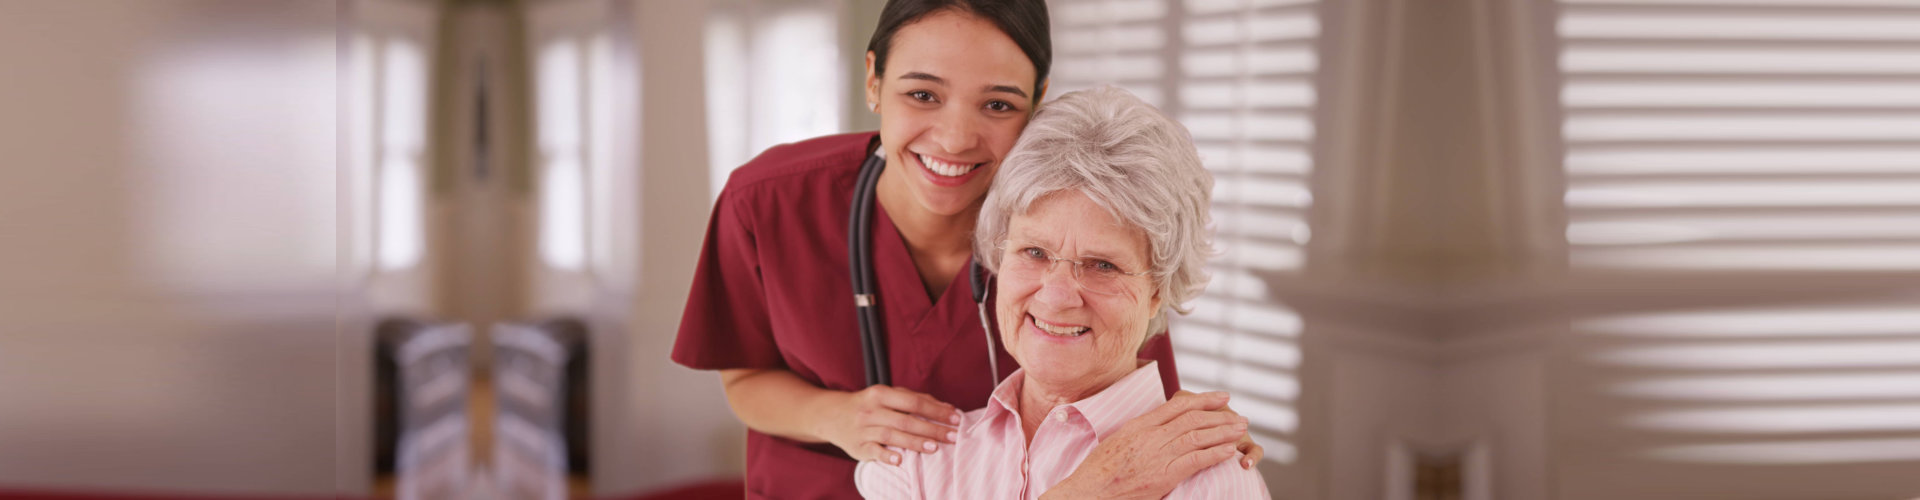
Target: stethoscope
(873, 344)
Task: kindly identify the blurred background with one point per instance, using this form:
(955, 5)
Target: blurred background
(1475, 249)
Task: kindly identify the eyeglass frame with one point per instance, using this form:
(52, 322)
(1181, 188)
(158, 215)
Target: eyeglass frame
(1075, 270)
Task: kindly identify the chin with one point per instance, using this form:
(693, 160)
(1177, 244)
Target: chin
(1058, 374)
(949, 203)
(1061, 363)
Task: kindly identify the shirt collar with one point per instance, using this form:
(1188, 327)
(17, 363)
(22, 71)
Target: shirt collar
(1132, 396)
(1006, 397)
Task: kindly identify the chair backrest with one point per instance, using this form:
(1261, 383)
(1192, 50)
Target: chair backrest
(435, 456)
(530, 450)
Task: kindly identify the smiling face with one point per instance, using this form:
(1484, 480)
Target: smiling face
(1066, 337)
(956, 94)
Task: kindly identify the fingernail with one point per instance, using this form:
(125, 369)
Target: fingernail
(955, 419)
(1240, 427)
(1246, 463)
(953, 437)
(1220, 395)
(927, 446)
(894, 460)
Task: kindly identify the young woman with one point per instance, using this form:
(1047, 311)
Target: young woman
(954, 82)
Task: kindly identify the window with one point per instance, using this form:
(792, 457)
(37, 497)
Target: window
(1239, 74)
(1742, 135)
(562, 181)
(586, 178)
(403, 130)
(1743, 138)
(606, 107)
(773, 76)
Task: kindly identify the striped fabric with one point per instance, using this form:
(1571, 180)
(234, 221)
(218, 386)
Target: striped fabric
(993, 460)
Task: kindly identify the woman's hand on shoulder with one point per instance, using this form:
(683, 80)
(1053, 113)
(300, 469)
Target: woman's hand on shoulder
(1252, 451)
(1155, 452)
(866, 422)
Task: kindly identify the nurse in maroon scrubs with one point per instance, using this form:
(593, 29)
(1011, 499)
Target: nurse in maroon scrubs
(954, 82)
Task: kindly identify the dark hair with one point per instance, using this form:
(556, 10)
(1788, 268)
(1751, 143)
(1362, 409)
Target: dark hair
(1025, 21)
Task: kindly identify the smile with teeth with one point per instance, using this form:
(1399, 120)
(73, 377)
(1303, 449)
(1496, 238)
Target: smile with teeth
(946, 169)
(1058, 330)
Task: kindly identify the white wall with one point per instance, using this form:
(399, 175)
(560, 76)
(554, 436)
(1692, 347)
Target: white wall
(679, 427)
(167, 320)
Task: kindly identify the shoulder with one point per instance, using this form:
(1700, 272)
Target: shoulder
(1225, 480)
(879, 480)
(970, 419)
(793, 164)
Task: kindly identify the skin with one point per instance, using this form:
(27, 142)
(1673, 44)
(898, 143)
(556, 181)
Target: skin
(1061, 370)
(1135, 462)
(958, 91)
(963, 114)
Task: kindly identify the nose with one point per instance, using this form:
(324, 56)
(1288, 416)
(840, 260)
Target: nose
(1059, 289)
(957, 131)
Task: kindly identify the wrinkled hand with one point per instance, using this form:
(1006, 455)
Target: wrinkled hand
(1154, 452)
(865, 423)
(1252, 451)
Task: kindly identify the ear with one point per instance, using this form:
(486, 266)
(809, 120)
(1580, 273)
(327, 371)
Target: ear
(873, 81)
(1155, 303)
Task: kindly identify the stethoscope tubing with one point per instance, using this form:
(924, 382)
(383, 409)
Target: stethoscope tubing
(860, 243)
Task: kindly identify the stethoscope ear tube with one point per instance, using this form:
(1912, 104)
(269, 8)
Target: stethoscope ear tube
(859, 243)
(978, 280)
(980, 299)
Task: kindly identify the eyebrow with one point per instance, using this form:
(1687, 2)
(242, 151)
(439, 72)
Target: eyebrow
(1009, 89)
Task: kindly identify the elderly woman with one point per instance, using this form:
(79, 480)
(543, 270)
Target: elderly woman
(1096, 228)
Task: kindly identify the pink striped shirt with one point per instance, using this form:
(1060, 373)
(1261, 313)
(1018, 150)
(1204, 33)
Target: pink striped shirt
(993, 460)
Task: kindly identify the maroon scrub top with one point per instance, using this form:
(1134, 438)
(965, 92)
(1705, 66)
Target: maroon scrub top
(772, 290)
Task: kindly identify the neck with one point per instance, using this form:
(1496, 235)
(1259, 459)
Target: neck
(1038, 399)
(925, 232)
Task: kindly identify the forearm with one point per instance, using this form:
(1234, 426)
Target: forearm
(777, 402)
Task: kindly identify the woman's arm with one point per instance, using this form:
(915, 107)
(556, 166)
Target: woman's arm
(863, 424)
(1156, 451)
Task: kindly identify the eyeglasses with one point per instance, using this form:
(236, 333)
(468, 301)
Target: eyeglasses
(1031, 261)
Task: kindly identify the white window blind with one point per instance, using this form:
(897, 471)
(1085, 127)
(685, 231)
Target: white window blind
(1775, 385)
(1742, 135)
(1239, 75)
